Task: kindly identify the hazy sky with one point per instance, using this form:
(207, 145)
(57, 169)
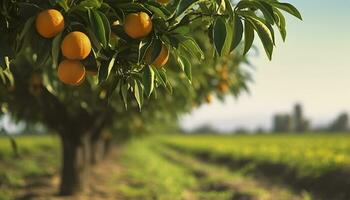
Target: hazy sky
(311, 67)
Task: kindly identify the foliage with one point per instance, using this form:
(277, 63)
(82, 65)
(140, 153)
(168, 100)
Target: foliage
(118, 58)
(341, 123)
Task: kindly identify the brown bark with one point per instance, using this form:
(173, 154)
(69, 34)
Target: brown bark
(75, 162)
(107, 147)
(96, 151)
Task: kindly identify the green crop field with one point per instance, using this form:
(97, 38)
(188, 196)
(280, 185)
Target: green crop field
(309, 153)
(208, 167)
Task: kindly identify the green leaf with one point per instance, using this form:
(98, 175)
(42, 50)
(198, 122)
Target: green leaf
(263, 30)
(181, 30)
(265, 37)
(112, 87)
(29, 23)
(148, 80)
(162, 73)
(91, 3)
(55, 51)
(237, 32)
(143, 47)
(159, 77)
(63, 4)
(97, 26)
(9, 74)
(192, 46)
(188, 68)
(248, 36)
(219, 35)
(157, 11)
(138, 93)
(156, 49)
(6, 76)
(288, 8)
(265, 8)
(179, 61)
(94, 40)
(229, 7)
(281, 23)
(2, 60)
(105, 70)
(119, 31)
(111, 64)
(106, 26)
(184, 5)
(90, 62)
(124, 93)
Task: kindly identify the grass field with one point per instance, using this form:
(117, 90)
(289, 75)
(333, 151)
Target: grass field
(38, 157)
(205, 167)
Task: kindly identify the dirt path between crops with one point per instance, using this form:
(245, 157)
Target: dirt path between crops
(100, 186)
(222, 179)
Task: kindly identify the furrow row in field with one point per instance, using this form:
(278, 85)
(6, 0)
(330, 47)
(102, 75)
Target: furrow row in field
(331, 183)
(220, 178)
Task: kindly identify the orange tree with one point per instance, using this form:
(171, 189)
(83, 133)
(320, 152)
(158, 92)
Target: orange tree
(75, 65)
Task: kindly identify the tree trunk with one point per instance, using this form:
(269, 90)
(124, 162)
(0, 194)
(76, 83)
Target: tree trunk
(75, 161)
(107, 146)
(96, 151)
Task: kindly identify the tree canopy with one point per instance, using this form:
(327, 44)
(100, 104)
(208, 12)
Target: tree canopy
(78, 66)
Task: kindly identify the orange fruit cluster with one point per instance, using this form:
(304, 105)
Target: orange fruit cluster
(223, 85)
(209, 98)
(223, 73)
(139, 25)
(75, 46)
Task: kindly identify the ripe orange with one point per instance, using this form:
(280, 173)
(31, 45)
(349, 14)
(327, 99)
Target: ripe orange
(138, 25)
(49, 23)
(209, 98)
(162, 58)
(76, 46)
(71, 72)
(81, 81)
(223, 73)
(223, 87)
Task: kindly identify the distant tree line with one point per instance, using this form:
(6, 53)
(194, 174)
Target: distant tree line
(297, 123)
(294, 122)
(340, 124)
